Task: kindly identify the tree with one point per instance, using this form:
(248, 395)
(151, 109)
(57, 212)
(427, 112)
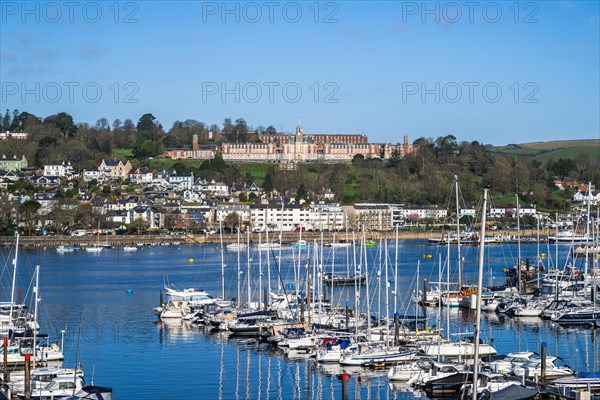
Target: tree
(232, 220)
(64, 122)
(240, 130)
(102, 125)
(7, 207)
(228, 129)
(146, 123)
(271, 130)
(139, 224)
(148, 148)
(243, 197)
(358, 159)
(562, 167)
(268, 184)
(6, 121)
(28, 210)
(302, 192)
(583, 161)
(116, 125)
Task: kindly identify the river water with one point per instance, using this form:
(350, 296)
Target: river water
(122, 345)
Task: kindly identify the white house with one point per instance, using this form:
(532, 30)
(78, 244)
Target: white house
(584, 197)
(89, 174)
(192, 197)
(467, 212)
(48, 201)
(13, 135)
(62, 170)
(141, 176)
(215, 188)
(120, 217)
(46, 181)
(182, 181)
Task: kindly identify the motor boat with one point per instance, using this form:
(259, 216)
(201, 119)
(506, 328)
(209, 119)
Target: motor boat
(534, 369)
(511, 360)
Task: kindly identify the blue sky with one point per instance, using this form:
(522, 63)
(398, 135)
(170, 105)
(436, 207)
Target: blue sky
(492, 72)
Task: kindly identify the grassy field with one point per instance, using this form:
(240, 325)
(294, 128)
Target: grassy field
(122, 153)
(543, 151)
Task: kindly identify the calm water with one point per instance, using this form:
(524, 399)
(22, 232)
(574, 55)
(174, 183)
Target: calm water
(123, 346)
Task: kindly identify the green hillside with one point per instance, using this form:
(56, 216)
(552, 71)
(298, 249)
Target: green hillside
(543, 151)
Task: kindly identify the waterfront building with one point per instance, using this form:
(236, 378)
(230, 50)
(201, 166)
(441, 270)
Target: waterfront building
(225, 209)
(152, 216)
(327, 216)
(277, 217)
(425, 212)
(376, 216)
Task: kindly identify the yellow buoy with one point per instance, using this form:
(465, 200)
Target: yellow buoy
(543, 255)
(191, 260)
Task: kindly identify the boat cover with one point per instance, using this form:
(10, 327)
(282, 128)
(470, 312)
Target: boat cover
(514, 392)
(93, 393)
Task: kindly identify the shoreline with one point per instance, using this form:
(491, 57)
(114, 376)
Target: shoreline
(287, 237)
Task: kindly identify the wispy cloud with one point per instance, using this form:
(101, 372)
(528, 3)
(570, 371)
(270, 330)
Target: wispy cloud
(90, 51)
(7, 57)
(27, 71)
(45, 52)
(355, 32)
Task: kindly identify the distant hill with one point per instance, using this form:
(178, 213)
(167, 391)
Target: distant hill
(543, 151)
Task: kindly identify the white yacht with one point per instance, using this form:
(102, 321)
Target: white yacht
(534, 369)
(465, 349)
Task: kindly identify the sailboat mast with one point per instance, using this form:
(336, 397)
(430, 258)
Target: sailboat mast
(35, 312)
(222, 262)
(239, 272)
(396, 274)
(387, 290)
(356, 284)
(14, 281)
(248, 267)
(364, 244)
(460, 273)
(268, 260)
(479, 290)
(587, 229)
(260, 272)
(518, 245)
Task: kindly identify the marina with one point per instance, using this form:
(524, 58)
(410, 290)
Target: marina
(123, 342)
